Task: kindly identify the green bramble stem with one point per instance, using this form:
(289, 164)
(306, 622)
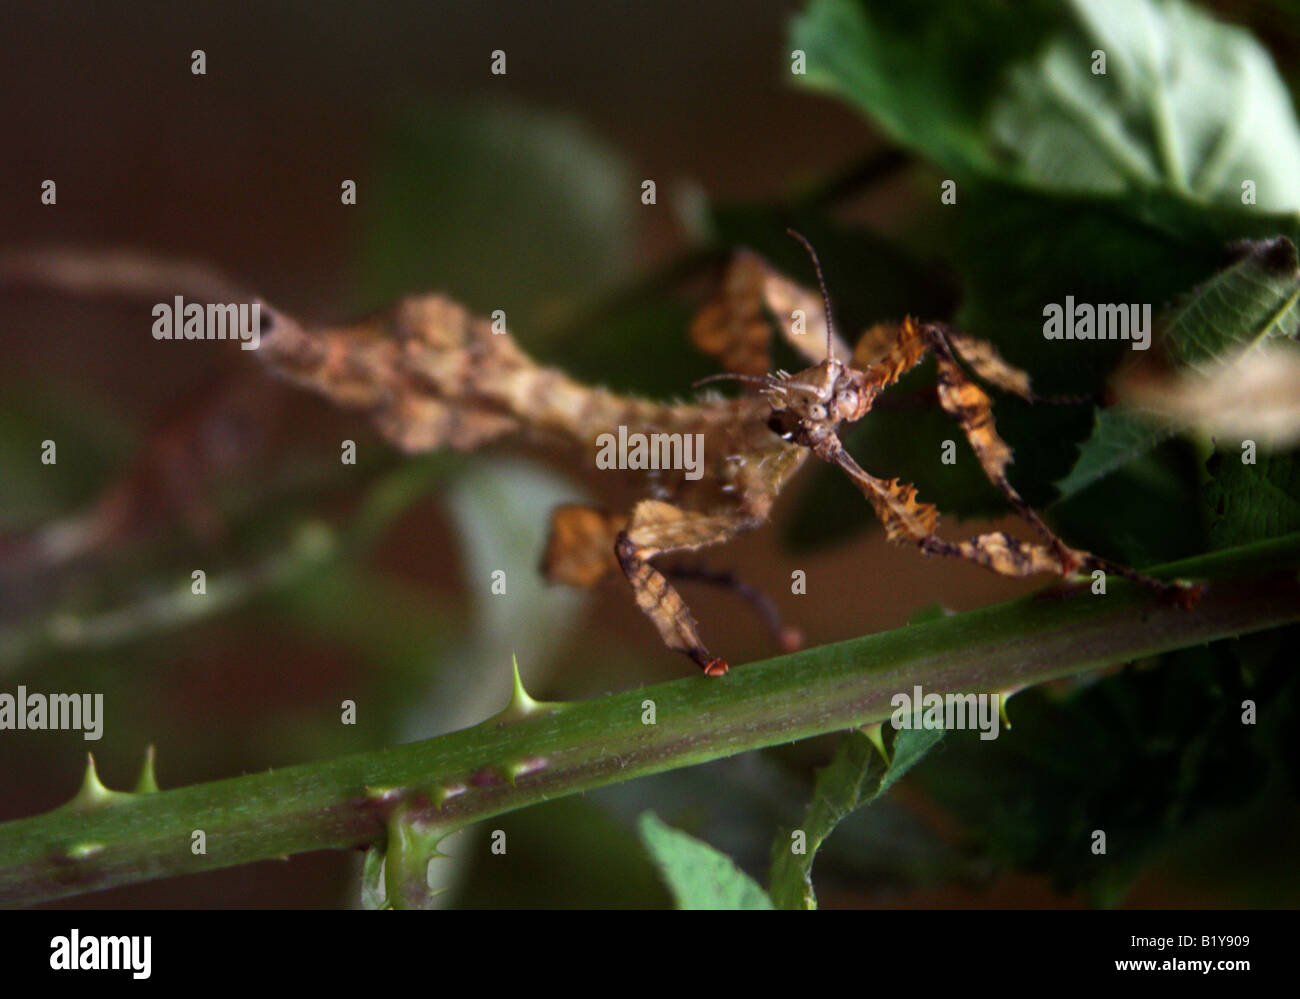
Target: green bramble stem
(535, 751)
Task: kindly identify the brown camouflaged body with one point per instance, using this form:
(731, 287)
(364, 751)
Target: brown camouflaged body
(432, 375)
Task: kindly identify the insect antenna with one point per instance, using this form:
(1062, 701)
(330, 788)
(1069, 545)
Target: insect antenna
(826, 298)
(765, 380)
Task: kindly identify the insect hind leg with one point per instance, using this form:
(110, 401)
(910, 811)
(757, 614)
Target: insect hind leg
(963, 399)
(967, 403)
(787, 637)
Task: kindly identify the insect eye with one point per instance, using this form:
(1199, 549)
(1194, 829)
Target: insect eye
(817, 412)
(783, 424)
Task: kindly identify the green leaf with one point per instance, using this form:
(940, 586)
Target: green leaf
(1018, 251)
(870, 278)
(698, 875)
(1252, 300)
(909, 747)
(1145, 513)
(651, 328)
(1185, 104)
(1118, 437)
(855, 777)
(925, 78)
(1248, 503)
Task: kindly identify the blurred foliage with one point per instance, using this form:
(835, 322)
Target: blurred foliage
(565, 854)
(454, 184)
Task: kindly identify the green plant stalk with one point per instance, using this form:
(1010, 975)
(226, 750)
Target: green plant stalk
(535, 752)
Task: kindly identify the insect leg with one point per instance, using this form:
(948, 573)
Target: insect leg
(984, 360)
(734, 326)
(786, 636)
(908, 520)
(656, 528)
(971, 407)
(968, 404)
(1010, 556)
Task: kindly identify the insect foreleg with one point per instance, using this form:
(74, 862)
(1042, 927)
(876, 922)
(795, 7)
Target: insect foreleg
(908, 520)
(657, 528)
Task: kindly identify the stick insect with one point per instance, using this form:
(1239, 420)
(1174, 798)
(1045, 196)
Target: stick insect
(433, 375)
